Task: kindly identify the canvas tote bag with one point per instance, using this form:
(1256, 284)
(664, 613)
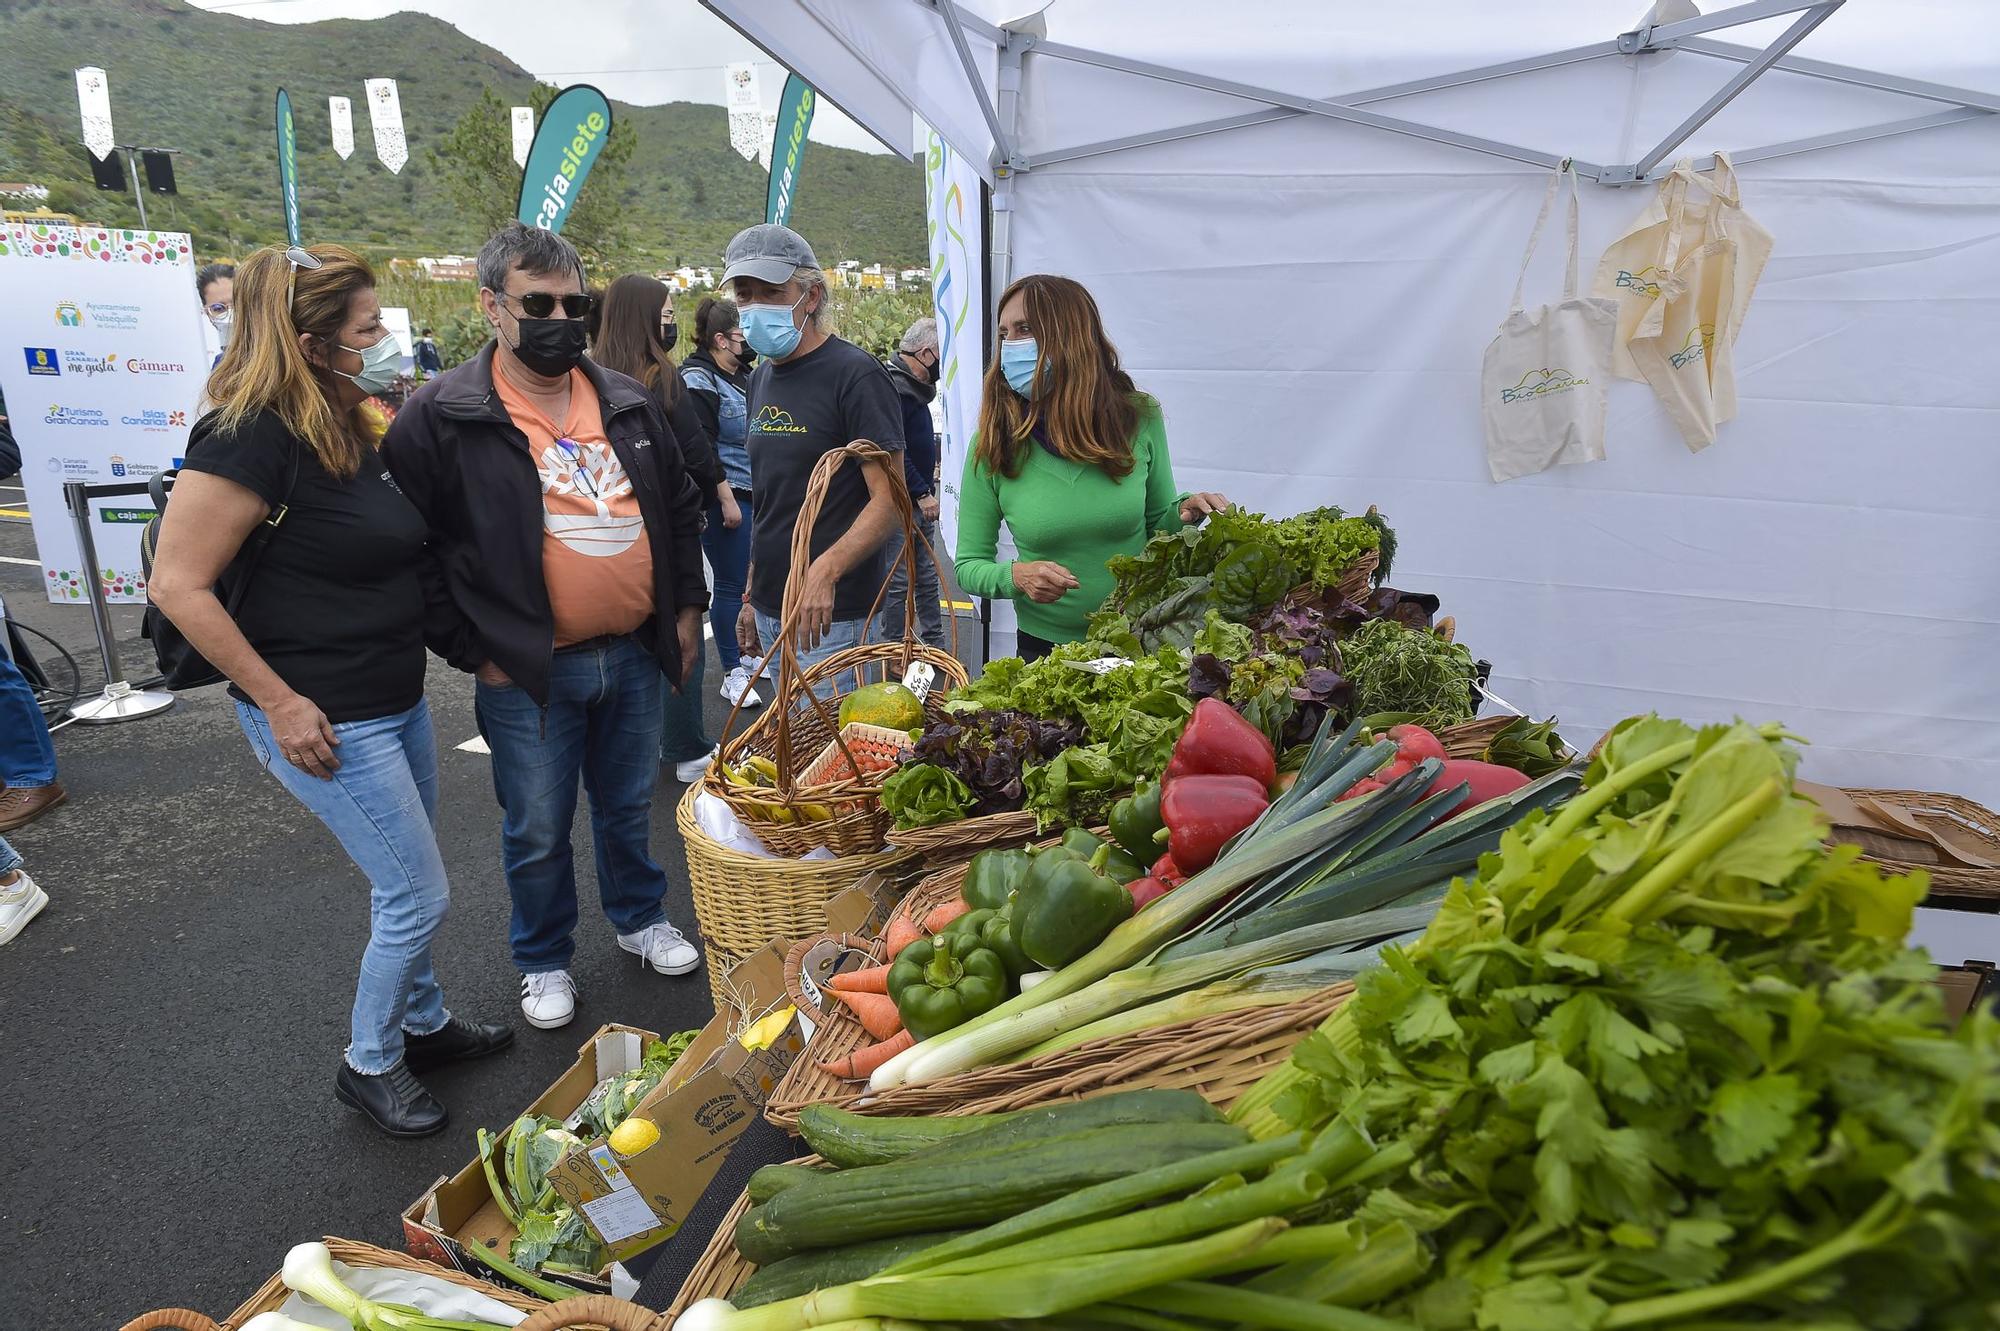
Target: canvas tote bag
(1542, 382)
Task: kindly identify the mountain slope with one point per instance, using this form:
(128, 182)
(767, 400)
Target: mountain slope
(204, 83)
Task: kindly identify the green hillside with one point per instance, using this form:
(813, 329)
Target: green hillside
(204, 82)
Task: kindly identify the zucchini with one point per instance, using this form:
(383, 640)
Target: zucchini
(770, 1180)
(1117, 1109)
(847, 1139)
(918, 1196)
(829, 1267)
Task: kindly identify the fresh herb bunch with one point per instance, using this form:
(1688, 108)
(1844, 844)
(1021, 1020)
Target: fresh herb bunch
(1394, 668)
(1136, 704)
(1665, 1061)
(1284, 676)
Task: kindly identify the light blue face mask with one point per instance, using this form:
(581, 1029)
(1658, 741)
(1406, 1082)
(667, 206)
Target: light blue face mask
(769, 329)
(1017, 363)
(379, 365)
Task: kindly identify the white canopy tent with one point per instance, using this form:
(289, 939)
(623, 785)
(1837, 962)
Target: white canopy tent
(1303, 222)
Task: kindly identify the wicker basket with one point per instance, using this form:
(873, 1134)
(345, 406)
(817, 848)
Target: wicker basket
(1359, 578)
(1940, 811)
(799, 726)
(1015, 828)
(273, 1293)
(1469, 739)
(744, 901)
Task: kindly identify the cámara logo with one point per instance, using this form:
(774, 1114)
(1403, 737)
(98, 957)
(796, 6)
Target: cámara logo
(775, 420)
(1699, 339)
(1541, 383)
(42, 360)
(140, 365)
(68, 315)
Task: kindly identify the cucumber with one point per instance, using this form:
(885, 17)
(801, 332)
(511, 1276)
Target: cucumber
(1116, 1109)
(847, 1139)
(771, 1180)
(829, 1267)
(919, 1196)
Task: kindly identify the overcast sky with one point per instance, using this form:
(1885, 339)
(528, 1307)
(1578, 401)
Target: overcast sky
(639, 51)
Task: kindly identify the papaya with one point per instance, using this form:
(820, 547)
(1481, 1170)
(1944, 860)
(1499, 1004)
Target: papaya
(888, 705)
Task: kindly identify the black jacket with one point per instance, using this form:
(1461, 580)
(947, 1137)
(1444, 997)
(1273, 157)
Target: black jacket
(465, 465)
(920, 450)
(707, 406)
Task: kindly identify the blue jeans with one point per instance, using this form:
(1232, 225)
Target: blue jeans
(382, 807)
(10, 859)
(27, 757)
(843, 634)
(602, 724)
(728, 554)
(683, 735)
(930, 590)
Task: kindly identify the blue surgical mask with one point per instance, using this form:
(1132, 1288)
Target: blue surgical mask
(1017, 362)
(379, 365)
(769, 329)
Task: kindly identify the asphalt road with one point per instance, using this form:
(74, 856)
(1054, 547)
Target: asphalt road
(170, 1026)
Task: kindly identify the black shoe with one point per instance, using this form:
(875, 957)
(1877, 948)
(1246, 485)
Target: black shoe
(456, 1039)
(395, 1101)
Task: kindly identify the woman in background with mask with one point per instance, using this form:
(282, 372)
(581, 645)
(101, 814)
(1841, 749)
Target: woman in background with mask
(216, 282)
(325, 655)
(1072, 457)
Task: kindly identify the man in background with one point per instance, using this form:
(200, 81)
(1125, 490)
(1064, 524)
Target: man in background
(428, 360)
(914, 370)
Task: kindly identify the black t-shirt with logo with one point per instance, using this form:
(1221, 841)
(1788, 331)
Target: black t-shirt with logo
(334, 607)
(800, 411)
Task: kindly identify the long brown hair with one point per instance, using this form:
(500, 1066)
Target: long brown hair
(1087, 405)
(264, 369)
(628, 338)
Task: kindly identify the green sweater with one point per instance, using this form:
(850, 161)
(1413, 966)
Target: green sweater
(1068, 513)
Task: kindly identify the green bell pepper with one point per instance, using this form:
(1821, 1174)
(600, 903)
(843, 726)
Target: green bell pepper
(945, 981)
(993, 929)
(1083, 844)
(1066, 908)
(1136, 822)
(1081, 840)
(993, 876)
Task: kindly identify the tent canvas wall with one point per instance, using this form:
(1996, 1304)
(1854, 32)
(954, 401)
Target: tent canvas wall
(1309, 298)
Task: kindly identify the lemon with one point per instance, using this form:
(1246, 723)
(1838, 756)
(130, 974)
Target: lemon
(632, 1136)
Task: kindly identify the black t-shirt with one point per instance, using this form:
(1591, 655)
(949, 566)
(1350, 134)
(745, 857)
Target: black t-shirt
(335, 607)
(800, 411)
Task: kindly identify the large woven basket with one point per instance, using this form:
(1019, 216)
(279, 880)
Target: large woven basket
(1939, 811)
(744, 901)
(1015, 828)
(799, 725)
(1220, 1057)
(273, 1293)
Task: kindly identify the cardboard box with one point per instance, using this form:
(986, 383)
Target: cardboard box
(460, 1209)
(715, 1091)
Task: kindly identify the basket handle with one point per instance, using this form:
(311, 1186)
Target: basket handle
(587, 1309)
(172, 1319)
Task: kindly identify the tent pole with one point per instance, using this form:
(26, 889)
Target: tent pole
(1003, 137)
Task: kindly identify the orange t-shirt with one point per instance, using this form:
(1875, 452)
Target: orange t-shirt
(595, 557)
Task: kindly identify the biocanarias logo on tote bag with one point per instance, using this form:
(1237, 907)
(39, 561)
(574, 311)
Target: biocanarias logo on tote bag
(1645, 282)
(1699, 339)
(1541, 383)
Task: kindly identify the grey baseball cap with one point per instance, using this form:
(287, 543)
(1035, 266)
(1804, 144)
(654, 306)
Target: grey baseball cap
(767, 252)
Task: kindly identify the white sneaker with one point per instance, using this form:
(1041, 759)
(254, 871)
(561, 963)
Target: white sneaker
(689, 772)
(738, 691)
(21, 901)
(662, 947)
(548, 999)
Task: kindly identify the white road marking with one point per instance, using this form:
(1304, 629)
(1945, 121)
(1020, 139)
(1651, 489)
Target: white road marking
(26, 563)
(474, 745)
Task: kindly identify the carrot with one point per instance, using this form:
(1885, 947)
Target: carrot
(876, 1012)
(870, 980)
(901, 934)
(944, 914)
(864, 1061)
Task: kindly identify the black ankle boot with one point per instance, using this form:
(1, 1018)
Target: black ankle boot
(456, 1039)
(395, 1101)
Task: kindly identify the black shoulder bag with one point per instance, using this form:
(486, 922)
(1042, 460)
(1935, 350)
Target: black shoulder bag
(181, 666)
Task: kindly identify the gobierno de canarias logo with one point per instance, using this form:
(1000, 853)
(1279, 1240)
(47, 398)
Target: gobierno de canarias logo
(1541, 383)
(775, 420)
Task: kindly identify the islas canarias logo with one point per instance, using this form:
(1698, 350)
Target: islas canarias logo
(1645, 282)
(1699, 339)
(775, 420)
(1541, 383)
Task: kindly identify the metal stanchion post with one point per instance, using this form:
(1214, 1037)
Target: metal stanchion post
(119, 701)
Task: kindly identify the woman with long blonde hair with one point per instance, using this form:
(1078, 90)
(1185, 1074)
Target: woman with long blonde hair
(325, 651)
(1072, 457)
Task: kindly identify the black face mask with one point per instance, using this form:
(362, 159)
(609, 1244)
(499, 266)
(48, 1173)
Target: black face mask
(550, 347)
(667, 335)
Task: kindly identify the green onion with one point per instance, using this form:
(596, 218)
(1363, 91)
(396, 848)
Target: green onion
(1233, 1303)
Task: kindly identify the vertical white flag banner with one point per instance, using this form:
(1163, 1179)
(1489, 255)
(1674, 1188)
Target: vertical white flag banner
(958, 298)
(385, 113)
(767, 130)
(340, 112)
(746, 109)
(93, 99)
(524, 134)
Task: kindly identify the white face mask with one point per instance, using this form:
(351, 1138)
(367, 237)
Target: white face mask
(379, 365)
(224, 324)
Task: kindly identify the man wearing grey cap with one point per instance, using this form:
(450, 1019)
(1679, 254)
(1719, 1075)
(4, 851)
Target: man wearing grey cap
(811, 393)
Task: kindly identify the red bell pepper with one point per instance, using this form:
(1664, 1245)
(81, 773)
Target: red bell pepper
(1489, 781)
(1145, 891)
(1204, 810)
(1365, 786)
(1167, 871)
(1413, 745)
(1217, 741)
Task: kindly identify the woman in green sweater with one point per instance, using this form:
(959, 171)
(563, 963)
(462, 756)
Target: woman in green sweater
(1072, 457)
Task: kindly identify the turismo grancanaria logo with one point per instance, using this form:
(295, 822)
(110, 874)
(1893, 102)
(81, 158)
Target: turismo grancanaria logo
(1541, 383)
(1645, 282)
(68, 315)
(774, 420)
(1699, 339)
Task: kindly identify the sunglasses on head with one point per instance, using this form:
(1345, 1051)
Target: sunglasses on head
(298, 258)
(540, 304)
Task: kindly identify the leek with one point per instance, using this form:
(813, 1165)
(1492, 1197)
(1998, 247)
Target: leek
(1233, 1303)
(308, 1271)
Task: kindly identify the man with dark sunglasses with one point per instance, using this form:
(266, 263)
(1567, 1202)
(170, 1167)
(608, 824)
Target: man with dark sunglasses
(565, 574)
